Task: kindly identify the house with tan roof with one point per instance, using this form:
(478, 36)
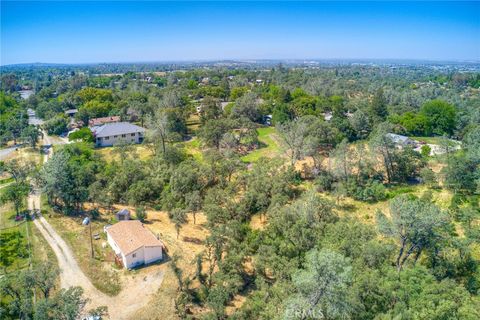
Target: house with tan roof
(134, 244)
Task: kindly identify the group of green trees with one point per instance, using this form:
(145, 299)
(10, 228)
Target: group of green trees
(19, 289)
(14, 123)
(435, 117)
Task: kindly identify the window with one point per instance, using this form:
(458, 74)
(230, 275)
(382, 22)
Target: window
(114, 136)
(134, 255)
(106, 138)
(124, 135)
(133, 134)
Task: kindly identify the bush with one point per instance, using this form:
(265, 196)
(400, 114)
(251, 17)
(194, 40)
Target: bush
(57, 125)
(324, 182)
(141, 214)
(428, 177)
(371, 192)
(425, 151)
(83, 134)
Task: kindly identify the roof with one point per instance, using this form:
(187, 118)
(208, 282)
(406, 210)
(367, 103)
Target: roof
(397, 138)
(100, 121)
(131, 235)
(124, 211)
(71, 111)
(116, 128)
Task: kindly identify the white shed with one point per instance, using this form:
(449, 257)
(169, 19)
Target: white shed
(134, 244)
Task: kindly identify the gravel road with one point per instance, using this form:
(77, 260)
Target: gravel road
(126, 303)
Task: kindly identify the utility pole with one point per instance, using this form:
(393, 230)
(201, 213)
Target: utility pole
(91, 239)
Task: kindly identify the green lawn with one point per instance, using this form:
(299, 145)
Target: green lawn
(430, 140)
(268, 137)
(192, 148)
(14, 241)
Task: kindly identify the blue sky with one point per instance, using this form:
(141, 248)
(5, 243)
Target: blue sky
(82, 32)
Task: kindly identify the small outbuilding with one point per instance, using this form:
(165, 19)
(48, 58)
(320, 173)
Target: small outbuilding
(400, 140)
(123, 214)
(134, 244)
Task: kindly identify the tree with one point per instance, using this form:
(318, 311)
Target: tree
(428, 177)
(19, 170)
(141, 214)
(360, 123)
(417, 225)
(178, 217)
(441, 116)
(84, 134)
(45, 275)
(247, 106)
(298, 136)
(16, 194)
(461, 174)
(193, 201)
(378, 107)
(19, 288)
(323, 287)
(67, 304)
(213, 131)
(158, 130)
(211, 109)
(30, 135)
(425, 151)
(56, 125)
(341, 163)
(381, 143)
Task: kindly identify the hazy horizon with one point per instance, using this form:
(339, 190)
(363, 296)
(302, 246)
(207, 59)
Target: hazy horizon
(156, 32)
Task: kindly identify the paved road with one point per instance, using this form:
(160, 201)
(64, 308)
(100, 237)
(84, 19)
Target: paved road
(4, 153)
(122, 306)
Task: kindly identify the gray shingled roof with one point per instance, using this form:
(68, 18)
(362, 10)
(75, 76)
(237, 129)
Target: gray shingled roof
(116, 128)
(397, 138)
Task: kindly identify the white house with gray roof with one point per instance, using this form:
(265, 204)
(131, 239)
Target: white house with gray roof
(110, 134)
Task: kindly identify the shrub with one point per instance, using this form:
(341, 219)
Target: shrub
(425, 151)
(324, 182)
(83, 134)
(371, 192)
(141, 214)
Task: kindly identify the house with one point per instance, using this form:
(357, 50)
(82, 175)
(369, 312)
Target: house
(134, 244)
(110, 134)
(71, 112)
(123, 214)
(99, 121)
(400, 140)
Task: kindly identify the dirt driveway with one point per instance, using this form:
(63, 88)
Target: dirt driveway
(136, 290)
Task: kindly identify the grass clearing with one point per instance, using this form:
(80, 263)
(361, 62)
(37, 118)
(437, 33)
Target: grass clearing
(25, 154)
(30, 241)
(193, 123)
(192, 148)
(268, 136)
(110, 154)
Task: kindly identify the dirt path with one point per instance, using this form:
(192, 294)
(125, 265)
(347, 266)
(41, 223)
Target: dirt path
(126, 303)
